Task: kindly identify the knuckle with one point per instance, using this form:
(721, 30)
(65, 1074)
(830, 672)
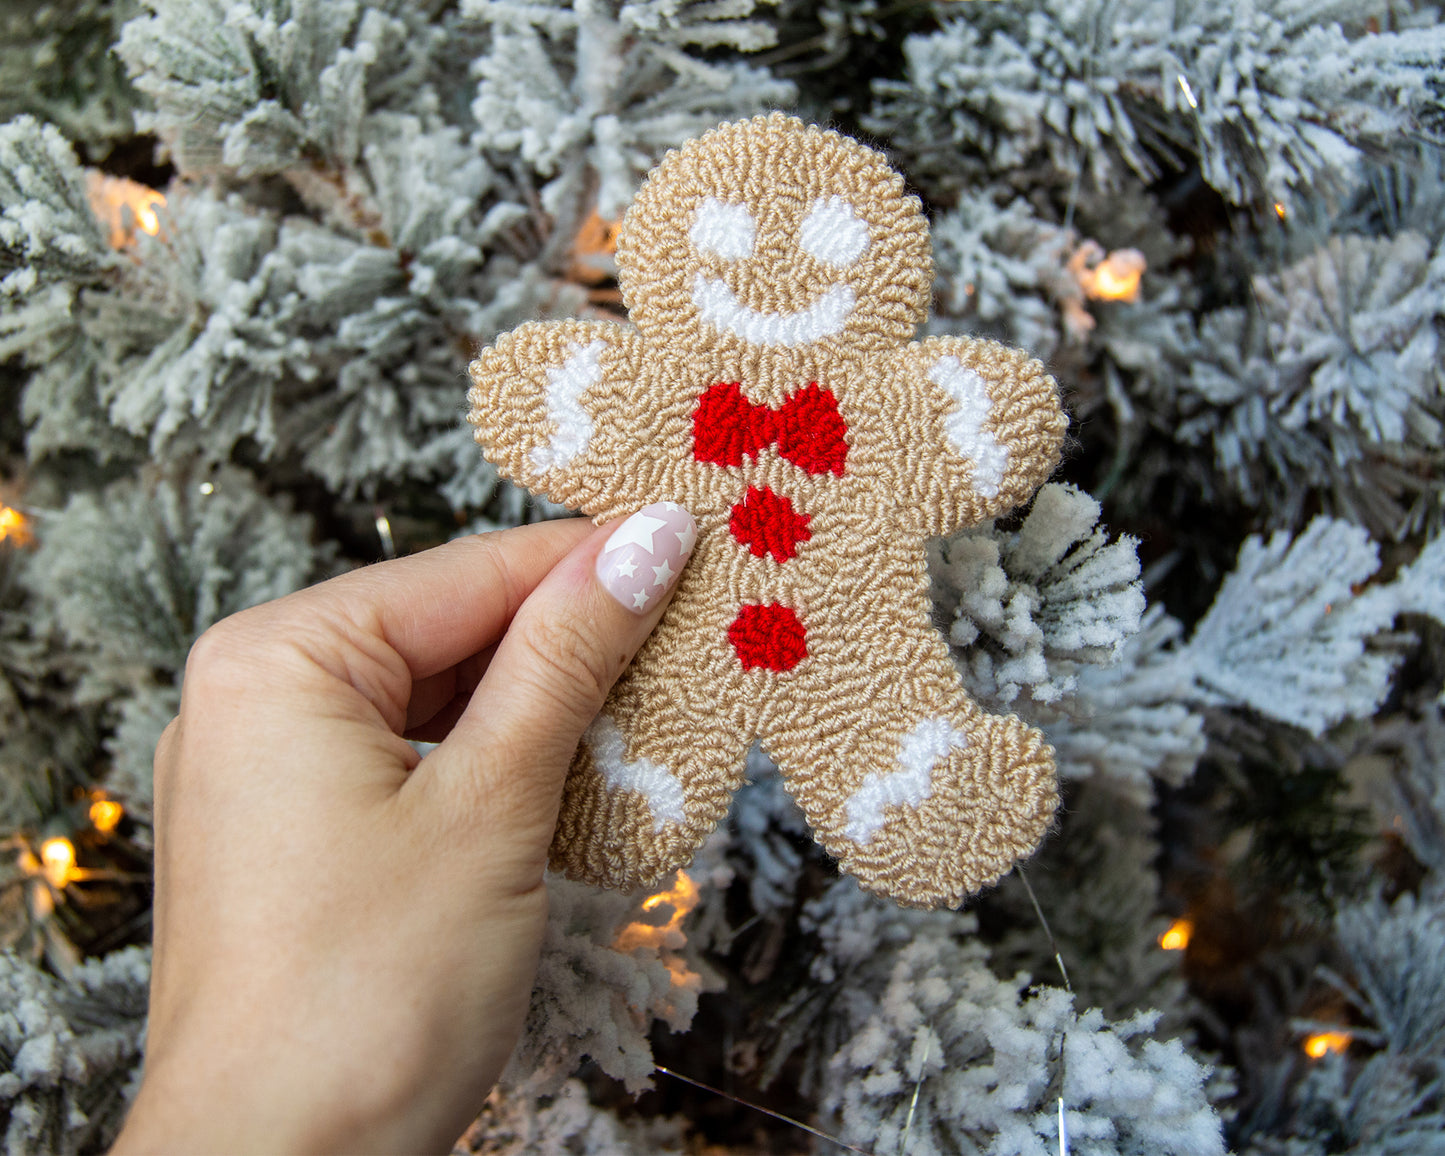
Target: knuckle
(570, 660)
(212, 652)
(224, 655)
(493, 559)
(507, 791)
(489, 555)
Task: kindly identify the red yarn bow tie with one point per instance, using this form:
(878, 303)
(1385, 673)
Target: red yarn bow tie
(807, 428)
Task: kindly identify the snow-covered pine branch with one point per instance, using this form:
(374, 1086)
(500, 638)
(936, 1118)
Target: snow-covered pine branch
(1331, 384)
(1289, 636)
(131, 575)
(1275, 99)
(918, 1010)
(47, 231)
(1029, 608)
(263, 86)
(598, 90)
(71, 1048)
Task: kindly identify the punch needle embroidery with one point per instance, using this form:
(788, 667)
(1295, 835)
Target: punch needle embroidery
(774, 275)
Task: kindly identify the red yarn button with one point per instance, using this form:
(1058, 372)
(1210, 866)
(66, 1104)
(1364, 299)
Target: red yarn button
(766, 523)
(768, 636)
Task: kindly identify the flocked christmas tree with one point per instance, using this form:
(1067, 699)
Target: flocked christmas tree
(246, 250)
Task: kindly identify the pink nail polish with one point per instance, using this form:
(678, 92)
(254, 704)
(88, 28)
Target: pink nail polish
(644, 556)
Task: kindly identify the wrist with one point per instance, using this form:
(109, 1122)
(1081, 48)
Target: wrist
(189, 1104)
(192, 1108)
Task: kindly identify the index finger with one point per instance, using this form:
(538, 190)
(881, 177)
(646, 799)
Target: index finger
(444, 605)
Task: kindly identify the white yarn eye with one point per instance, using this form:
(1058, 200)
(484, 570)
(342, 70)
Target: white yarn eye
(724, 230)
(833, 233)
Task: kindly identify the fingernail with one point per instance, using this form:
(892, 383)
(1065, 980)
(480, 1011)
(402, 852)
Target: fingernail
(644, 556)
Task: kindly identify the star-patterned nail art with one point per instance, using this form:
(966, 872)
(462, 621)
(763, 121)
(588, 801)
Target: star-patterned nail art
(642, 559)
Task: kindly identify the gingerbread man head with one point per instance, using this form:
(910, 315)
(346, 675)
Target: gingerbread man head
(776, 236)
(774, 273)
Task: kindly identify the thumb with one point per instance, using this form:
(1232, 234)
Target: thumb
(568, 643)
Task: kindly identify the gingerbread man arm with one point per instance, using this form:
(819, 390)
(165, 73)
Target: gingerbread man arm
(981, 427)
(554, 406)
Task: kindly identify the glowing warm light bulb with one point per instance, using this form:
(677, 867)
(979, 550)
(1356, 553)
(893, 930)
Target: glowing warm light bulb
(1322, 1043)
(1107, 277)
(592, 250)
(124, 206)
(1117, 276)
(105, 815)
(1280, 211)
(14, 526)
(1177, 937)
(57, 857)
(682, 897)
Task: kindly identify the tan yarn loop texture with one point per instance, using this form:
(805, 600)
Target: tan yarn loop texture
(786, 268)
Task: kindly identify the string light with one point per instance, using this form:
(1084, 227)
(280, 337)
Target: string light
(14, 526)
(124, 207)
(593, 264)
(593, 248)
(593, 258)
(1114, 277)
(1280, 211)
(1178, 936)
(683, 898)
(1188, 92)
(105, 815)
(42, 902)
(57, 859)
(383, 532)
(1321, 1044)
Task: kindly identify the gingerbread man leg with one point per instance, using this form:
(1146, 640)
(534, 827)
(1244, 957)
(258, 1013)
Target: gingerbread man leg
(915, 790)
(652, 777)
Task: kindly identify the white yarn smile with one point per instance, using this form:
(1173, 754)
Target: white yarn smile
(719, 307)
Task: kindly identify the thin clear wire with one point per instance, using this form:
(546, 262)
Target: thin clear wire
(1068, 987)
(759, 1108)
(913, 1103)
(922, 1066)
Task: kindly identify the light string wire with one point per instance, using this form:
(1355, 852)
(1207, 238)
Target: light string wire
(922, 1064)
(1068, 987)
(913, 1103)
(759, 1108)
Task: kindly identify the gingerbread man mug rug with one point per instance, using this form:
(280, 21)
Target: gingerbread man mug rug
(775, 274)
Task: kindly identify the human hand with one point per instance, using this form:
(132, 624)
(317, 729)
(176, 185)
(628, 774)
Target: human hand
(346, 933)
